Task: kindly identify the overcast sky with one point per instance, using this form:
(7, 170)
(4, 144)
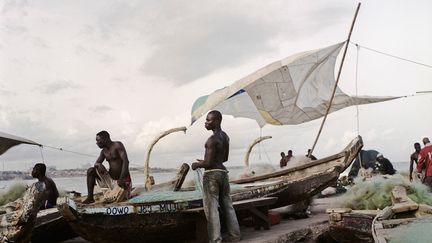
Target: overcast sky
(70, 68)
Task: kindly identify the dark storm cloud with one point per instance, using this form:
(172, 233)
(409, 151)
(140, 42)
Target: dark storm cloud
(56, 87)
(224, 41)
(192, 40)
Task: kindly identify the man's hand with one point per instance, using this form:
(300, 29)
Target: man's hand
(99, 167)
(410, 177)
(121, 183)
(196, 165)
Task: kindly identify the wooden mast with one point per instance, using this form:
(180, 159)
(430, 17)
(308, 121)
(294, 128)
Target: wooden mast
(337, 80)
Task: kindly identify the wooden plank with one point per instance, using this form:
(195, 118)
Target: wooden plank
(392, 222)
(290, 170)
(338, 210)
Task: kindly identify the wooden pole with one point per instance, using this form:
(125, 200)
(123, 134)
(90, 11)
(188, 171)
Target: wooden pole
(337, 80)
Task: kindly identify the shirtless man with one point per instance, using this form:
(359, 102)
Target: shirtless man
(51, 191)
(283, 161)
(414, 159)
(216, 186)
(115, 154)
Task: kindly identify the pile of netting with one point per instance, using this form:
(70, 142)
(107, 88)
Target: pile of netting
(13, 192)
(375, 192)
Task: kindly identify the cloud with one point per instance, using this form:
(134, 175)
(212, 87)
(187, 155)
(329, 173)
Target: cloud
(56, 87)
(101, 109)
(6, 93)
(18, 6)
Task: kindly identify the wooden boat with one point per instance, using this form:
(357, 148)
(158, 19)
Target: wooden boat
(157, 216)
(50, 226)
(389, 222)
(347, 225)
(16, 226)
(304, 181)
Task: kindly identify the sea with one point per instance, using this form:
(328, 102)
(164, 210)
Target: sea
(78, 184)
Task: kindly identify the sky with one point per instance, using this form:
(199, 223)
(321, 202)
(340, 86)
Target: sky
(71, 68)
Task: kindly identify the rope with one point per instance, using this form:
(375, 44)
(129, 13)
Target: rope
(42, 156)
(69, 151)
(393, 56)
(356, 92)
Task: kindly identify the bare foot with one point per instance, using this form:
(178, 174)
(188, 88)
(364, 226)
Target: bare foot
(88, 201)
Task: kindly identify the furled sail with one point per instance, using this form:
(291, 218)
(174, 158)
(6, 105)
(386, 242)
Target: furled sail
(291, 91)
(7, 141)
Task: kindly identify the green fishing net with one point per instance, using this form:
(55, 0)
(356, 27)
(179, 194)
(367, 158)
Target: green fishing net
(375, 192)
(13, 192)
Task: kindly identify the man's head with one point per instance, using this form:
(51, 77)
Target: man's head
(426, 140)
(213, 120)
(39, 170)
(380, 156)
(289, 152)
(417, 147)
(102, 139)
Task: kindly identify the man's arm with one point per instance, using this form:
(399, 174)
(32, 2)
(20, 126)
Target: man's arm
(125, 161)
(208, 157)
(100, 159)
(411, 167)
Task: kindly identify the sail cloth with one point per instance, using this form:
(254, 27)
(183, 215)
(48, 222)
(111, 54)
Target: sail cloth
(291, 91)
(7, 141)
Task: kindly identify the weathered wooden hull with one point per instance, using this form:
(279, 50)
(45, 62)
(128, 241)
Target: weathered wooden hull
(51, 227)
(305, 181)
(155, 227)
(353, 226)
(166, 221)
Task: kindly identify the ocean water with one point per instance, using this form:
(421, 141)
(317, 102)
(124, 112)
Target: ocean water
(79, 183)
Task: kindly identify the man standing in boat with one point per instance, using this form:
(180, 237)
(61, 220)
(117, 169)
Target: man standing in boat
(216, 188)
(414, 159)
(51, 192)
(424, 162)
(115, 153)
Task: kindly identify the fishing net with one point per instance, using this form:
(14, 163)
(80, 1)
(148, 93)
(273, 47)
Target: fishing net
(375, 193)
(13, 192)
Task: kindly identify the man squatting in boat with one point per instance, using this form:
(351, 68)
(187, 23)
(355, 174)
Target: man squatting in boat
(115, 153)
(51, 191)
(216, 187)
(424, 162)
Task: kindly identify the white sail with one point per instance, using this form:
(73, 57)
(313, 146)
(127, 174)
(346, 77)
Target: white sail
(291, 91)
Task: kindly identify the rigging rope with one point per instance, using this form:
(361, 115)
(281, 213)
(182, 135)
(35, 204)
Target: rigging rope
(43, 160)
(356, 85)
(393, 56)
(69, 151)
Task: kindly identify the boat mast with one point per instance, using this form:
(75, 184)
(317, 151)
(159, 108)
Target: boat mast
(256, 141)
(337, 80)
(150, 148)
